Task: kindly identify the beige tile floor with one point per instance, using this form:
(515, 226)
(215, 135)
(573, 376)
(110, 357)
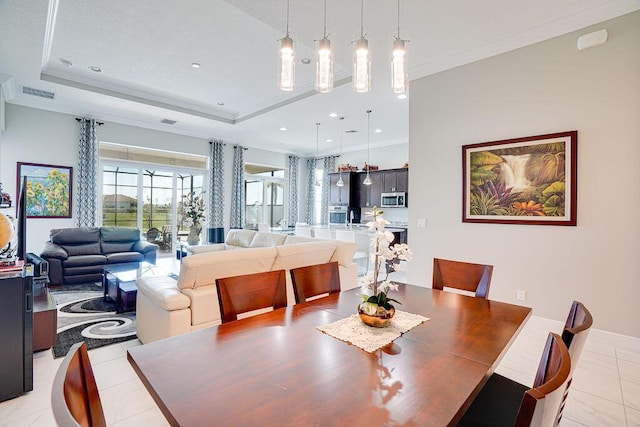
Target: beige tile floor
(605, 389)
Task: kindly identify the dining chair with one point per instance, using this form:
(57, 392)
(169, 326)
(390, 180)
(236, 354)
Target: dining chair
(302, 231)
(503, 402)
(462, 275)
(576, 330)
(263, 228)
(74, 396)
(322, 233)
(361, 255)
(314, 280)
(250, 292)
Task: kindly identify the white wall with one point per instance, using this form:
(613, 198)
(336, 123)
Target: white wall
(389, 157)
(39, 136)
(545, 88)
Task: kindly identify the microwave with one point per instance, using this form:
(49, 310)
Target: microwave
(393, 200)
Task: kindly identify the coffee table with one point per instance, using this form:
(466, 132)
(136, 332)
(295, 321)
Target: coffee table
(119, 283)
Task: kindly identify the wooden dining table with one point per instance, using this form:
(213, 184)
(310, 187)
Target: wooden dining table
(277, 369)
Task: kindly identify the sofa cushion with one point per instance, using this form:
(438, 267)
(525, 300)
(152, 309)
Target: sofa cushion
(293, 240)
(344, 253)
(124, 257)
(163, 291)
(82, 260)
(74, 236)
(238, 237)
(203, 269)
(83, 249)
(111, 247)
(303, 254)
(120, 234)
(267, 240)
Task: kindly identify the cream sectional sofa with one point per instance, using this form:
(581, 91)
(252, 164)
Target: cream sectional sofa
(168, 307)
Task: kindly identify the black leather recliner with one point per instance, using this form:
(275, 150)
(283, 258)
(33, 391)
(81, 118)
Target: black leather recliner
(79, 255)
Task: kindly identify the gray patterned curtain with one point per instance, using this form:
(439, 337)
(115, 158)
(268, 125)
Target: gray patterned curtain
(237, 189)
(293, 168)
(328, 166)
(87, 177)
(216, 184)
(310, 216)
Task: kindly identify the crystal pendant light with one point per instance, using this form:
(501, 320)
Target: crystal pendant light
(367, 180)
(286, 61)
(324, 64)
(399, 78)
(361, 59)
(317, 183)
(340, 182)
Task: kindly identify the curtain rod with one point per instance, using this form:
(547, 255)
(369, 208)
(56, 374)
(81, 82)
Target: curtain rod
(98, 123)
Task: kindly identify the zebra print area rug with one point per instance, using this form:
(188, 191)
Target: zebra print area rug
(84, 316)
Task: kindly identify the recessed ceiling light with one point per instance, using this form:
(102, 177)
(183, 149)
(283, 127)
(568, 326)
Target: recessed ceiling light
(95, 69)
(283, 129)
(402, 96)
(306, 61)
(220, 103)
(334, 115)
(329, 140)
(195, 65)
(378, 131)
(66, 63)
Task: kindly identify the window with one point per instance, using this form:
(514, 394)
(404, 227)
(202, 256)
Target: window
(148, 196)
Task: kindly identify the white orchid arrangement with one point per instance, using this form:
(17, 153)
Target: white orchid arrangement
(374, 293)
(193, 206)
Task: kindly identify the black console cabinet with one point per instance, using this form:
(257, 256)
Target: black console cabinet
(16, 335)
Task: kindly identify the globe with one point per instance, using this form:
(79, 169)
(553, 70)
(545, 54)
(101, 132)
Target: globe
(8, 237)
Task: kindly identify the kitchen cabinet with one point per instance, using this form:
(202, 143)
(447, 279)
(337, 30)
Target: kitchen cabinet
(341, 196)
(369, 195)
(395, 181)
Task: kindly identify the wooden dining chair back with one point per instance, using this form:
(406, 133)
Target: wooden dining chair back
(250, 292)
(504, 402)
(74, 396)
(576, 330)
(465, 276)
(314, 280)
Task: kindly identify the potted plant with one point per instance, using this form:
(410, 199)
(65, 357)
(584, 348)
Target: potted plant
(376, 309)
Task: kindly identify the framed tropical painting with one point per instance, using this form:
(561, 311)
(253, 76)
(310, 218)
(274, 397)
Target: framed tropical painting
(48, 193)
(530, 180)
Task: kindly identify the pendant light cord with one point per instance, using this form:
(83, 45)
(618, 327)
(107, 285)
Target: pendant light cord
(288, 18)
(317, 133)
(325, 19)
(368, 140)
(362, 18)
(398, 19)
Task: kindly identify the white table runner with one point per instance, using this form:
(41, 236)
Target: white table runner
(353, 331)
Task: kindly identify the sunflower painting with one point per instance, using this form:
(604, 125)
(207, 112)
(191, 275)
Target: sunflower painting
(529, 180)
(48, 192)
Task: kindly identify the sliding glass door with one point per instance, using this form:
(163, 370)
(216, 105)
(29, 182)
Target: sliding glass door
(149, 198)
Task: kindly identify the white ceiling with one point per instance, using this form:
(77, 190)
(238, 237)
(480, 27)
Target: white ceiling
(145, 49)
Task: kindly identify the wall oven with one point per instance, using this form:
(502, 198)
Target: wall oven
(393, 200)
(338, 214)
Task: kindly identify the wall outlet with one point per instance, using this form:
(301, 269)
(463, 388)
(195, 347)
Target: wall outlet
(422, 222)
(521, 295)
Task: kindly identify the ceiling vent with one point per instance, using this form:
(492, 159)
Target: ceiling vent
(37, 92)
(352, 131)
(168, 122)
